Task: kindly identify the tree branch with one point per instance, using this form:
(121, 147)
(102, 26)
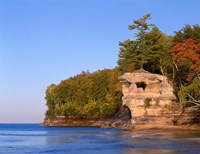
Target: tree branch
(197, 101)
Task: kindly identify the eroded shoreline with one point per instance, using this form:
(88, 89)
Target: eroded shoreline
(111, 123)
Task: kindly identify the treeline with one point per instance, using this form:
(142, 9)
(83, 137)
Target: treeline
(86, 95)
(98, 94)
(177, 57)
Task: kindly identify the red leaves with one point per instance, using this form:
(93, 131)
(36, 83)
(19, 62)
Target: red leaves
(188, 51)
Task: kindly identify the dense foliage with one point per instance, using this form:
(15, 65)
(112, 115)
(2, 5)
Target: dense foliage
(190, 95)
(177, 57)
(187, 54)
(98, 94)
(86, 95)
(150, 49)
(188, 32)
(186, 58)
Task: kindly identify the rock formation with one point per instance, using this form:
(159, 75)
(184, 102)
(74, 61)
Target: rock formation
(148, 103)
(149, 97)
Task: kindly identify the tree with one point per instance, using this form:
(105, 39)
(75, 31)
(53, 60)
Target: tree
(126, 61)
(149, 50)
(86, 95)
(190, 95)
(50, 99)
(187, 32)
(158, 56)
(187, 54)
(139, 45)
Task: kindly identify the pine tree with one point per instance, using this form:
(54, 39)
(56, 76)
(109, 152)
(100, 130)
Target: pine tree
(149, 50)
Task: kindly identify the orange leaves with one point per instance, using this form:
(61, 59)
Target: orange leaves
(188, 51)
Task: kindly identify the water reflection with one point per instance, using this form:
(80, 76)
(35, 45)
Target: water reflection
(153, 151)
(155, 141)
(126, 142)
(97, 141)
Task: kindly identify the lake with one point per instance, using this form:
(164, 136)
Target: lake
(32, 138)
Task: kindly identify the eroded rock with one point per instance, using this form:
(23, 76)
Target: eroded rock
(149, 96)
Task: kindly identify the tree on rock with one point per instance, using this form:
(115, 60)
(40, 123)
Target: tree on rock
(149, 50)
(138, 57)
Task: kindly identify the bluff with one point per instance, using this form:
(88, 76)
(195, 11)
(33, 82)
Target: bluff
(148, 102)
(152, 102)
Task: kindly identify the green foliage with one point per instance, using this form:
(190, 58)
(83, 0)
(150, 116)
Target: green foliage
(139, 55)
(98, 94)
(69, 109)
(190, 95)
(50, 113)
(186, 33)
(186, 55)
(86, 95)
(149, 50)
(147, 103)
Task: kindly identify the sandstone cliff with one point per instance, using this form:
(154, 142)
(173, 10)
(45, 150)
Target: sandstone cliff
(148, 103)
(151, 100)
(120, 120)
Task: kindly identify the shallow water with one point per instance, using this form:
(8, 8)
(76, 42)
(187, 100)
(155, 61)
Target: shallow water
(32, 138)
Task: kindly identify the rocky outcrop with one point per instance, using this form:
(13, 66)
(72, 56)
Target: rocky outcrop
(190, 116)
(153, 105)
(79, 122)
(149, 97)
(120, 120)
(148, 103)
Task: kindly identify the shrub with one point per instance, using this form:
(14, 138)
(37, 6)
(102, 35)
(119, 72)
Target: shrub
(190, 95)
(147, 103)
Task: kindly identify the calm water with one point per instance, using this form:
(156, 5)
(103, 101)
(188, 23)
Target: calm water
(31, 138)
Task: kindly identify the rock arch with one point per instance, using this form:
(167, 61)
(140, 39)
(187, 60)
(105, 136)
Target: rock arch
(141, 85)
(129, 113)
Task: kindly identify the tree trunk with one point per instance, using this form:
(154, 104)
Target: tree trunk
(161, 69)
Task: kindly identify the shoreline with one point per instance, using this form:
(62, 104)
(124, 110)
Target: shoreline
(165, 127)
(114, 123)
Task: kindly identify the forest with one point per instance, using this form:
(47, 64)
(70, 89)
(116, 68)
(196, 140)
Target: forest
(98, 94)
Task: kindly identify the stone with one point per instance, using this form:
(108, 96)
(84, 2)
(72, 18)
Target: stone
(141, 89)
(148, 102)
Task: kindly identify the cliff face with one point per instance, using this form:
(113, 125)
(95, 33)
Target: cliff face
(152, 102)
(149, 97)
(66, 121)
(120, 120)
(148, 102)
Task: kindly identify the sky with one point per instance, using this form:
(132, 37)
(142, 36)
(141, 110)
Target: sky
(46, 41)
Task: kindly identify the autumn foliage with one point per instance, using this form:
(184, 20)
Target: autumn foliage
(188, 51)
(99, 95)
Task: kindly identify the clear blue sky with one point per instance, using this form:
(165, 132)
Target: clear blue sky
(46, 41)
